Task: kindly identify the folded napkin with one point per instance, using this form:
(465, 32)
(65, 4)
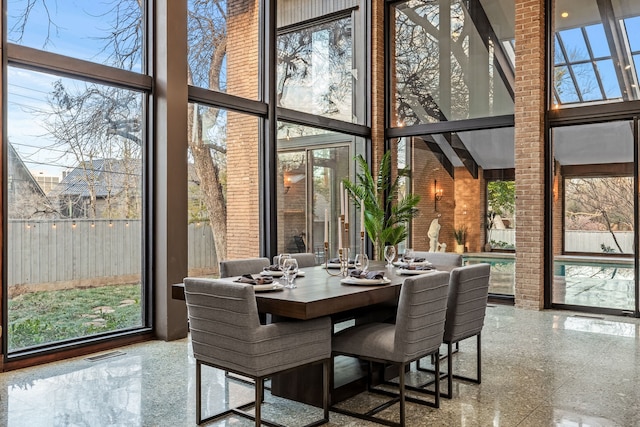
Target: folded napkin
(248, 278)
(337, 261)
(419, 267)
(274, 267)
(359, 274)
(417, 259)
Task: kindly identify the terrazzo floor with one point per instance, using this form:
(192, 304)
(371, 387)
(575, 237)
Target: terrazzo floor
(549, 368)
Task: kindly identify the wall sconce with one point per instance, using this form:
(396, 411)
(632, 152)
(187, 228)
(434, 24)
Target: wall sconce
(287, 184)
(437, 194)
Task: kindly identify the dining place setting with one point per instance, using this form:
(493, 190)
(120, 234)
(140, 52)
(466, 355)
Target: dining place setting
(410, 264)
(285, 268)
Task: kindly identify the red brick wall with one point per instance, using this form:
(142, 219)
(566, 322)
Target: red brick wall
(242, 132)
(529, 152)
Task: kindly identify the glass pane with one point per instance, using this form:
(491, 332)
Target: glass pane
(580, 30)
(574, 45)
(448, 67)
(587, 81)
(315, 70)
(593, 215)
(598, 41)
(559, 57)
(565, 86)
(222, 177)
(223, 46)
(327, 157)
(110, 33)
(74, 189)
(452, 196)
(609, 79)
(632, 25)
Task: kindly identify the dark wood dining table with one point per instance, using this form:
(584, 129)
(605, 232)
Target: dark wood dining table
(321, 292)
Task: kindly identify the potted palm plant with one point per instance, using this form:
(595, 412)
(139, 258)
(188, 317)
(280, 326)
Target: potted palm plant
(460, 234)
(385, 219)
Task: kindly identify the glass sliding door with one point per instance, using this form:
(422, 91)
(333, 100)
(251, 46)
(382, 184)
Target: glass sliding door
(311, 165)
(594, 216)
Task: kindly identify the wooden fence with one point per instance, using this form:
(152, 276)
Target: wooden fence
(579, 240)
(89, 253)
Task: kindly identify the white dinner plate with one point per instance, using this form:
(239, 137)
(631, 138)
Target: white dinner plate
(278, 273)
(275, 286)
(414, 272)
(402, 264)
(366, 282)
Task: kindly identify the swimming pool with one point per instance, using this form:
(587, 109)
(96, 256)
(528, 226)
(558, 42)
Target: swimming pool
(591, 281)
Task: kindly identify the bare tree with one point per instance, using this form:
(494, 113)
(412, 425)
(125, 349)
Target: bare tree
(604, 203)
(81, 117)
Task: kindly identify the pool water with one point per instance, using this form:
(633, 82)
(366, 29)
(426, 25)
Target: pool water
(582, 281)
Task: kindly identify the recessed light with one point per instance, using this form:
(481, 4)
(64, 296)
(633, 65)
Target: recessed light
(564, 14)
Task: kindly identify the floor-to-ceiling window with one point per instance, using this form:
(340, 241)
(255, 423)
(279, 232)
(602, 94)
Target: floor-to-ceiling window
(320, 74)
(594, 110)
(452, 118)
(223, 133)
(75, 160)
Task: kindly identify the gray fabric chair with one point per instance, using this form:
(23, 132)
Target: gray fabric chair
(304, 259)
(417, 333)
(466, 308)
(441, 258)
(238, 267)
(226, 334)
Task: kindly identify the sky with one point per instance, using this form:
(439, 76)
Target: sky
(79, 27)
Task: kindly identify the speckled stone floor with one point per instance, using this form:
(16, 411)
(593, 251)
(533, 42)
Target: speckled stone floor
(546, 368)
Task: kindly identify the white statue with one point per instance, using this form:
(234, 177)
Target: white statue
(434, 232)
(442, 247)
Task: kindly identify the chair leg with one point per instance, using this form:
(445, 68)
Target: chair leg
(402, 389)
(325, 386)
(437, 385)
(259, 396)
(449, 372)
(479, 359)
(198, 393)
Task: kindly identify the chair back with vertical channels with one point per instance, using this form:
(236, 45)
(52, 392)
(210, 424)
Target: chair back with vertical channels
(305, 260)
(226, 331)
(441, 258)
(421, 315)
(467, 302)
(238, 267)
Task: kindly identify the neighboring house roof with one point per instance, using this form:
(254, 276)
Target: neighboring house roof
(19, 171)
(107, 177)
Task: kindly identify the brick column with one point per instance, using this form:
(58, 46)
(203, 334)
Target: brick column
(243, 216)
(529, 152)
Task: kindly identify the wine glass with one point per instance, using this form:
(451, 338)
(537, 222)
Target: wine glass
(290, 270)
(281, 259)
(409, 255)
(362, 262)
(389, 254)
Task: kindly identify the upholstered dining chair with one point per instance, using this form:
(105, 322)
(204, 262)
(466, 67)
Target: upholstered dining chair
(304, 259)
(445, 259)
(226, 334)
(466, 309)
(417, 333)
(238, 267)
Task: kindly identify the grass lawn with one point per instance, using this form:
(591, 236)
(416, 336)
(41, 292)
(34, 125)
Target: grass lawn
(50, 316)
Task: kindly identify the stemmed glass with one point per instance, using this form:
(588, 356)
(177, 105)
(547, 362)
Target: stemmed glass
(290, 270)
(409, 255)
(281, 259)
(389, 255)
(362, 262)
